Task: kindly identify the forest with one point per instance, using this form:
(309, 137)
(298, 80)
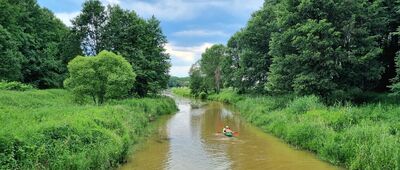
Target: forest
(336, 50)
(321, 75)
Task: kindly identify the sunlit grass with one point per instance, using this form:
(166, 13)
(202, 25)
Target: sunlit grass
(43, 129)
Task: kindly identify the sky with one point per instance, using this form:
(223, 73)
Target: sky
(191, 26)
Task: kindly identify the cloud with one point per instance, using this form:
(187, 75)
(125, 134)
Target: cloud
(183, 57)
(187, 54)
(111, 2)
(184, 9)
(180, 71)
(66, 17)
(200, 33)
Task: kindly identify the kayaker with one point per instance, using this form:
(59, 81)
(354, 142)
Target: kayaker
(226, 129)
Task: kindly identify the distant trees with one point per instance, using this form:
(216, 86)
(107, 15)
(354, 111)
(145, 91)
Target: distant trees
(178, 81)
(121, 31)
(324, 47)
(102, 77)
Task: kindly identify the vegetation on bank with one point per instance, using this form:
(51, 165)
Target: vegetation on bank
(45, 129)
(356, 137)
(182, 91)
(335, 50)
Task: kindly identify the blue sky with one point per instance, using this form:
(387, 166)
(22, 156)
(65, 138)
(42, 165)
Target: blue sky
(190, 25)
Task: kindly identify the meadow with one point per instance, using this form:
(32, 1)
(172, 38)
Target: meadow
(365, 136)
(45, 129)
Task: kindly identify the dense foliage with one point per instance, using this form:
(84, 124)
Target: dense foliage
(332, 49)
(102, 77)
(123, 32)
(35, 46)
(356, 137)
(44, 129)
(31, 44)
(178, 81)
(15, 86)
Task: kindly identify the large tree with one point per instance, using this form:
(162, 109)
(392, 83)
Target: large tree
(325, 46)
(121, 31)
(30, 39)
(88, 26)
(210, 65)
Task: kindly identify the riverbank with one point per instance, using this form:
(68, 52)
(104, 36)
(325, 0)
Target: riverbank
(44, 129)
(355, 137)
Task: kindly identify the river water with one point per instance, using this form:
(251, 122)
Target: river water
(192, 140)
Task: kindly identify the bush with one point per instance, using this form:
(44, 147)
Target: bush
(105, 76)
(303, 104)
(16, 86)
(182, 91)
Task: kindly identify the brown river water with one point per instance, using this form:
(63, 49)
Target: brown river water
(192, 140)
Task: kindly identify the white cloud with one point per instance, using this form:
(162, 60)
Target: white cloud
(111, 2)
(187, 54)
(66, 17)
(180, 71)
(184, 9)
(201, 33)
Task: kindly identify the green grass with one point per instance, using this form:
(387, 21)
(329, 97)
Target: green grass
(356, 137)
(44, 129)
(181, 91)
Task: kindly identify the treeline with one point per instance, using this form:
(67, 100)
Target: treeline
(333, 49)
(35, 46)
(178, 81)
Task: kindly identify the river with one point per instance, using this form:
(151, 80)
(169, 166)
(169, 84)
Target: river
(192, 140)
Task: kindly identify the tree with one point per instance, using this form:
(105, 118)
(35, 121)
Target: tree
(102, 77)
(88, 26)
(140, 41)
(10, 57)
(323, 47)
(248, 62)
(210, 65)
(197, 83)
(31, 37)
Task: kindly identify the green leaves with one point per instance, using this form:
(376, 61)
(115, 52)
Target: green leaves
(105, 76)
(30, 37)
(123, 32)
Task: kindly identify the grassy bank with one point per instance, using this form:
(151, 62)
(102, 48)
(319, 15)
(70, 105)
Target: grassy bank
(181, 91)
(356, 137)
(44, 129)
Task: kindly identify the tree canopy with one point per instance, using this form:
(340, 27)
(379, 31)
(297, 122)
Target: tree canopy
(123, 32)
(326, 48)
(102, 77)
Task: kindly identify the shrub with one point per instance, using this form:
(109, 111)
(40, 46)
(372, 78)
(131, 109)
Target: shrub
(182, 91)
(16, 86)
(105, 76)
(303, 104)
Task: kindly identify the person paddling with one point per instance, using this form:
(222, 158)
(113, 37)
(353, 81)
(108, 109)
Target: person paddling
(227, 131)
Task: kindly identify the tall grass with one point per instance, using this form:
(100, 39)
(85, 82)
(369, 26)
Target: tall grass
(44, 129)
(356, 137)
(181, 91)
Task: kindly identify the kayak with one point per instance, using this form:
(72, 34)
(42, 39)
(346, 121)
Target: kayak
(229, 134)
